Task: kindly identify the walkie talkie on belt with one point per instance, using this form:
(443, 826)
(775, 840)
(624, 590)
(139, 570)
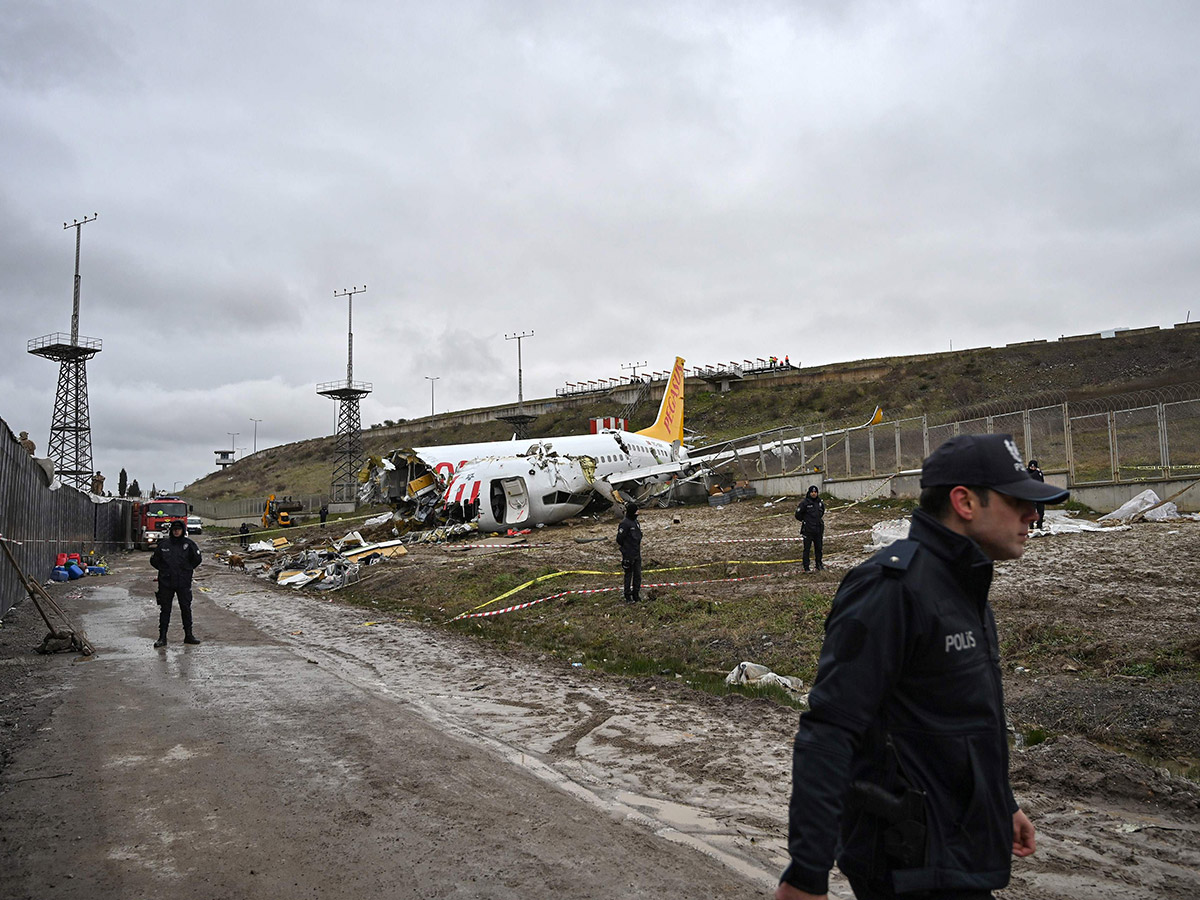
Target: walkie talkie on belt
(904, 838)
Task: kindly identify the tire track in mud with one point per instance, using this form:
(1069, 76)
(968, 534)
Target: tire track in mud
(487, 702)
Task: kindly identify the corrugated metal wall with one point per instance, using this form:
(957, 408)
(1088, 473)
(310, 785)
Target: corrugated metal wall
(41, 523)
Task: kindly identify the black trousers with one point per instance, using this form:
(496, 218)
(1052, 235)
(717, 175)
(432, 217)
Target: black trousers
(870, 889)
(164, 597)
(633, 578)
(813, 539)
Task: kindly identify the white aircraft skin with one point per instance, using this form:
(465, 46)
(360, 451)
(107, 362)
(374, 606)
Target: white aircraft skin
(518, 484)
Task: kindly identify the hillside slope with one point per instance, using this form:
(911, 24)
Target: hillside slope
(943, 386)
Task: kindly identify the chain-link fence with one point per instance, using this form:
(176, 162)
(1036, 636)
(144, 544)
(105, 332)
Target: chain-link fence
(251, 508)
(1124, 445)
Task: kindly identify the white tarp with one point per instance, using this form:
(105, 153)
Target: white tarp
(378, 520)
(884, 533)
(1140, 503)
(1057, 521)
(261, 545)
(753, 673)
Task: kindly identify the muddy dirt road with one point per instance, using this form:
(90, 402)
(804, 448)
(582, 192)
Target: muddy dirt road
(306, 749)
(253, 766)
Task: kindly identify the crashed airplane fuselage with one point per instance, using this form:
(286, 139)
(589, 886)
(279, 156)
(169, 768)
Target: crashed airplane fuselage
(521, 483)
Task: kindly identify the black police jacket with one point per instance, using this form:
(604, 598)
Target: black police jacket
(175, 560)
(811, 515)
(910, 662)
(629, 538)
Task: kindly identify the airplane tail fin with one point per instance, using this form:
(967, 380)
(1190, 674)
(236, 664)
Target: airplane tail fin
(669, 424)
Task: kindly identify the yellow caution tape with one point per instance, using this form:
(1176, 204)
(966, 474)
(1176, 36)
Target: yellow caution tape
(720, 562)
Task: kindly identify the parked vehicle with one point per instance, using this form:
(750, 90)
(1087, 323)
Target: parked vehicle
(278, 513)
(195, 526)
(152, 518)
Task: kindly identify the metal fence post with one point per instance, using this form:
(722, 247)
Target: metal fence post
(1164, 451)
(1067, 446)
(1113, 455)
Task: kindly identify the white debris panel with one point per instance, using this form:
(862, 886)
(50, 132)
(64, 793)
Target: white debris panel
(753, 673)
(1143, 503)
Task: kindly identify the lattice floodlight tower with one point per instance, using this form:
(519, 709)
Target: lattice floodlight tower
(348, 449)
(71, 426)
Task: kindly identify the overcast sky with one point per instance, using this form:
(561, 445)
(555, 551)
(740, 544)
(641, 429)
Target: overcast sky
(629, 181)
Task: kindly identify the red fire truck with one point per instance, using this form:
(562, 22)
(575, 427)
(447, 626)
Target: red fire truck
(152, 518)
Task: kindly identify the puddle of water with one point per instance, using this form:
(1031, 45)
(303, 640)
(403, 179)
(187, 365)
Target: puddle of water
(1186, 767)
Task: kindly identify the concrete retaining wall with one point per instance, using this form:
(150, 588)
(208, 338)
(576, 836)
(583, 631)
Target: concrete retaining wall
(1103, 498)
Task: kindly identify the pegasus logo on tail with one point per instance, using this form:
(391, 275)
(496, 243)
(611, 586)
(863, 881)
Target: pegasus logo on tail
(669, 424)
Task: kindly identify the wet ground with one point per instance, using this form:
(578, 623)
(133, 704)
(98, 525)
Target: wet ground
(307, 749)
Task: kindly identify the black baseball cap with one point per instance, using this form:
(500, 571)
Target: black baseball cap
(986, 460)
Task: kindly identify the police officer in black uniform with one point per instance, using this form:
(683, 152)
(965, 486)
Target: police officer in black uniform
(175, 557)
(629, 539)
(1035, 472)
(900, 765)
(811, 515)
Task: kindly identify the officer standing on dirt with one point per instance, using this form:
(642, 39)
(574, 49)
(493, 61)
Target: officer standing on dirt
(244, 531)
(629, 539)
(900, 764)
(811, 515)
(175, 557)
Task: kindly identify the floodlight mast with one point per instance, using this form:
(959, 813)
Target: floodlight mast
(633, 366)
(431, 379)
(349, 293)
(78, 226)
(348, 445)
(520, 376)
(71, 427)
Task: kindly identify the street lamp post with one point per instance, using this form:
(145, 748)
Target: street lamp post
(233, 442)
(255, 421)
(431, 379)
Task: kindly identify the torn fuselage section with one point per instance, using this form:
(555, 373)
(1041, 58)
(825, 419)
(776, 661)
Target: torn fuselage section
(412, 484)
(537, 487)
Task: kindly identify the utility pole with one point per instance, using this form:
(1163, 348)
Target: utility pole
(431, 379)
(255, 421)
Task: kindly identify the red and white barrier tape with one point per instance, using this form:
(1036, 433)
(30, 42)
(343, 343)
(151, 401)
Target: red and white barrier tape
(781, 539)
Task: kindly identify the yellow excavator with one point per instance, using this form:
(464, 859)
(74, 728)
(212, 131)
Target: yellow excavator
(278, 513)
